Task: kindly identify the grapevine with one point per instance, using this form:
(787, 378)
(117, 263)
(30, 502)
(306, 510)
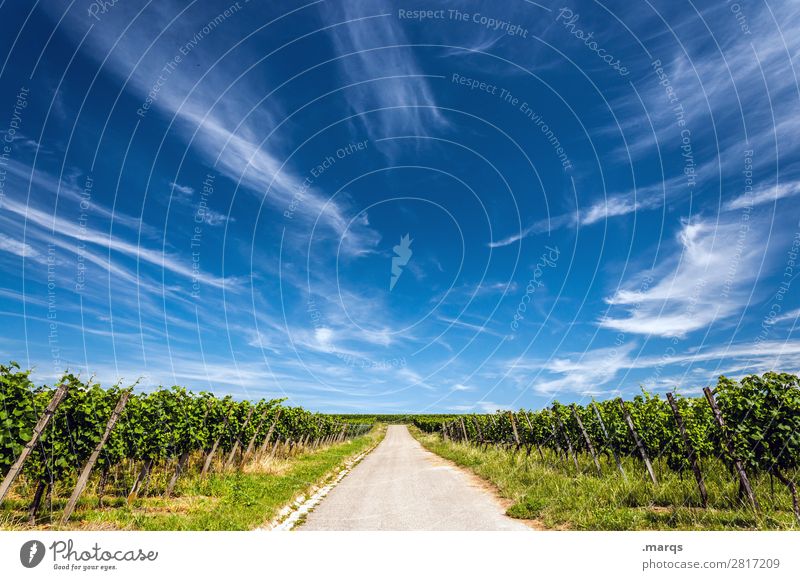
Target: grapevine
(761, 415)
(159, 430)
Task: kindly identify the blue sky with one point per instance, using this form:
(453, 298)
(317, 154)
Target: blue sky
(215, 194)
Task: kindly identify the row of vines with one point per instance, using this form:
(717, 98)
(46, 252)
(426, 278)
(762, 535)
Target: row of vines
(56, 437)
(751, 425)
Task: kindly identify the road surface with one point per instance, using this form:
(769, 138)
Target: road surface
(401, 486)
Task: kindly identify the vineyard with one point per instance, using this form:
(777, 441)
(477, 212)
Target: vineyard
(59, 438)
(115, 447)
(751, 427)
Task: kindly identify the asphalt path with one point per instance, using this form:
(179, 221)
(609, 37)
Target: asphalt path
(402, 486)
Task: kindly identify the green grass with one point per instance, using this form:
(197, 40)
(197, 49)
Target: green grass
(225, 501)
(558, 497)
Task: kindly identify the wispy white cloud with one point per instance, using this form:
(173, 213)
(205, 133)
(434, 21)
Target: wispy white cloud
(228, 131)
(201, 212)
(182, 189)
(606, 371)
(584, 373)
(18, 248)
(643, 198)
(26, 298)
(790, 316)
(84, 235)
(458, 387)
(373, 26)
(476, 328)
(737, 83)
(46, 186)
(703, 281)
(766, 194)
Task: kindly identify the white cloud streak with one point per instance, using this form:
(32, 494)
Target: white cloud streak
(703, 282)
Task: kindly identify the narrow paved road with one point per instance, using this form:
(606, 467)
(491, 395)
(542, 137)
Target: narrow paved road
(401, 486)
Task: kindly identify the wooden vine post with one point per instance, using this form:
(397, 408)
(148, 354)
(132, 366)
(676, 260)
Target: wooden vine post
(538, 447)
(477, 429)
(554, 437)
(180, 467)
(609, 442)
(143, 473)
(690, 454)
(737, 463)
(238, 442)
(183, 461)
(792, 490)
(514, 427)
(587, 440)
(41, 424)
(494, 425)
(87, 469)
(275, 446)
(636, 439)
(464, 430)
(566, 438)
(210, 456)
(271, 430)
(252, 443)
(37, 499)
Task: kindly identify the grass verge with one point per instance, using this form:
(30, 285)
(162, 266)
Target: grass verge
(558, 496)
(221, 501)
